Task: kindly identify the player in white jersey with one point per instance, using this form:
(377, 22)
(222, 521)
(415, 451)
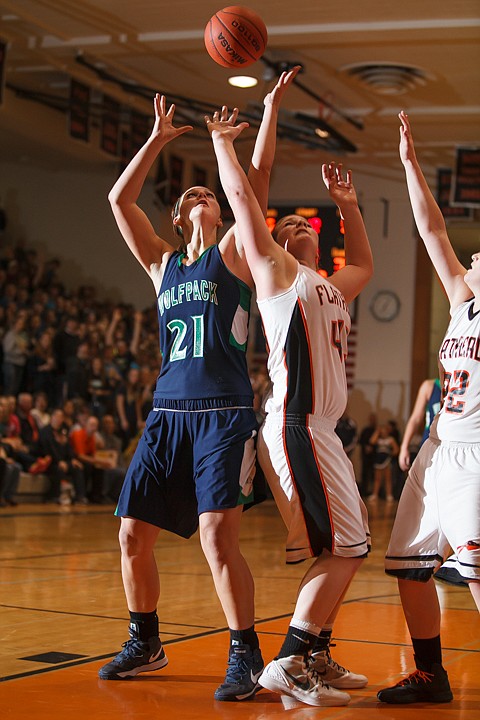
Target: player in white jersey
(306, 324)
(440, 503)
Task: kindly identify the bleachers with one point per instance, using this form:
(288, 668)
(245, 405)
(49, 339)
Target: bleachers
(32, 488)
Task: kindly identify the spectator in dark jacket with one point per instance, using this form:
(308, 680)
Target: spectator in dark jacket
(78, 373)
(65, 468)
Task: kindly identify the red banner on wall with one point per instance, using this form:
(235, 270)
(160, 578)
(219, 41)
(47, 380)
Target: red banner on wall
(140, 128)
(110, 132)
(162, 183)
(125, 150)
(466, 180)
(3, 55)
(176, 177)
(199, 176)
(444, 188)
(79, 111)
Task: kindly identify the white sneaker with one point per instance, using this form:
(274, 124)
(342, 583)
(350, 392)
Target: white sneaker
(331, 673)
(294, 676)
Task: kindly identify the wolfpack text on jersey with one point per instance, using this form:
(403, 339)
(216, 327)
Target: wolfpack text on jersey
(203, 312)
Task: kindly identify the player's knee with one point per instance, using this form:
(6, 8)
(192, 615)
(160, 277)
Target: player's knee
(132, 543)
(216, 544)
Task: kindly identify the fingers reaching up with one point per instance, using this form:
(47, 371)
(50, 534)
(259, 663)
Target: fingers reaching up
(163, 126)
(274, 97)
(224, 124)
(406, 147)
(340, 187)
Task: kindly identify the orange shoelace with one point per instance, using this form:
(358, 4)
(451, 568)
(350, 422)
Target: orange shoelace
(418, 677)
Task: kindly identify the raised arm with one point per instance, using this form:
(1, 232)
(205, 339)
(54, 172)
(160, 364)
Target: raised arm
(133, 223)
(265, 143)
(137, 330)
(260, 166)
(430, 221)
(267, 261)
(414, 422)
(358, 256)
(110, 332)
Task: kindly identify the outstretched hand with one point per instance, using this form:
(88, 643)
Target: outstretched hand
(404, 459)
(341, 189)
(407, 149)
(274, 97)
(221, 124)
(163, 128)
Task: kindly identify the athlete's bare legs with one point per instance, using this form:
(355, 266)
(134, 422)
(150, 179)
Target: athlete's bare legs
(219, 537)
(323, 584)
(332, 617)
(139, 568)
(382, 475)
(474, 586)
(144, 650)
(421, 607)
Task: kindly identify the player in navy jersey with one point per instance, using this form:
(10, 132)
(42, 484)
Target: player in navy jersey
(440, 503)
(427, 404)
(306, 324)
(194, 464)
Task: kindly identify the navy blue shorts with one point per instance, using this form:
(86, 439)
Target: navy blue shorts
(190, 462)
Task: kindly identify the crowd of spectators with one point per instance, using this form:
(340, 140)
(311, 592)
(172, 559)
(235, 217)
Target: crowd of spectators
(77, 374)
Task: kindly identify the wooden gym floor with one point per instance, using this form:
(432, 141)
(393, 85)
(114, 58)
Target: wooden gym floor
(63, 614)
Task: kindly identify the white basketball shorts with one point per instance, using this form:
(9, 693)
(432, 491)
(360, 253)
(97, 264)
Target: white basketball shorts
(313, 484)
(439, 507)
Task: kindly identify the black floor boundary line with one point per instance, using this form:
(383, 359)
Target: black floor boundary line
(374, 598)
(62, 666)
(104, 551)
(195, 636)
(97, 617)
(380, 642)
(92, 571)
(57, 555)
(49, 513)
(15, 566)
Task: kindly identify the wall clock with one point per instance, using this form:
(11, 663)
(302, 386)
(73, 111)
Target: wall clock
(385, 305)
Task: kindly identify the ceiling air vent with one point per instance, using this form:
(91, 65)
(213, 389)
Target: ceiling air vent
(387, 78)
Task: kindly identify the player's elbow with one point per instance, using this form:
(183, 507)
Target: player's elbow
(260, 174)
(119, 196)
(365, 271)
(363, 275)
(119, 205)
(113, 197)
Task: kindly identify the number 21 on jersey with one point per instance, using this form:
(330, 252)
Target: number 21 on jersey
(179, 329)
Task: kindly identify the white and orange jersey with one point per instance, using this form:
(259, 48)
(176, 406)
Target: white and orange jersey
(306, 329)
(459, 356)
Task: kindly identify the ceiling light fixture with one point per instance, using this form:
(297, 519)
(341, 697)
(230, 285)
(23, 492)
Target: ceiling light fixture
(388, 78)
(242, 81)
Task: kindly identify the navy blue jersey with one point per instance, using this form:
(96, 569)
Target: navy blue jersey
(203, 312)
(433, 406)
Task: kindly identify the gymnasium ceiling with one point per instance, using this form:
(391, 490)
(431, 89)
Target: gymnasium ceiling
(363, 60)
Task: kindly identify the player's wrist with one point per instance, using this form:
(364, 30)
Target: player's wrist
(220, 138)
(348, 209)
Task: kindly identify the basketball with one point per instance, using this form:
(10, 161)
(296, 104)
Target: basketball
(235, 37)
